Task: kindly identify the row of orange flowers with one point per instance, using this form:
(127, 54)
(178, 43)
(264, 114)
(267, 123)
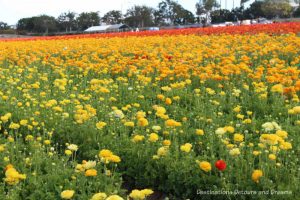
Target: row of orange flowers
(275, 28)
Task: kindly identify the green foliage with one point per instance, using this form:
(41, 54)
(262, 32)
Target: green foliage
(67, 21)
(112, 17)
(88, 19)
(276, 8)
(139, 16)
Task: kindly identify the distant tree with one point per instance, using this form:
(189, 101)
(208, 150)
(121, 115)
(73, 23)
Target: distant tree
(66, 21)
(25, 24)
(182, 16)
(44, 24)
(243, 2)
(276, 8)
(139, 16)
(165, 14)
(3, 26)
(220, 16)
(297, 12)
(112, 17)
(254, 10)
(86, 20)
(205, 7)
(39, 24)
(158, 18)
(171, 12)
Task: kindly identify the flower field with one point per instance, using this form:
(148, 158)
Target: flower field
(127, 116)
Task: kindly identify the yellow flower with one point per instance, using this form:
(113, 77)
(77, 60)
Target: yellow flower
(100, 125)
(114, 197)
(237, 109)
(272, 156)
(114, 159)
(29, 138)
(47, 142)
(143, 122)
(12, 176)
(278, 88)
(138, 138)
(99, 196)
(282, 134)
(229, 129)
(172, 123)
(296, 110)
(160, 96)
(10, 139)
(238, 137)
(168, 101)
(199, 132)
(14, 126)
(186, 147)
(256, 153)
(23, 122)
(4, 118)
(67, 194)
(2, 147)
(286, 146)
(68, 152)
(140, 114)
(162, 151)
(205, 166)
(91, 172)
(140, 194)
(247, 121)
(240, 116)
(235, 152)
(166, 142)
(129, 124)
(147, 192)
(153, 137)
(105, 153)
(137, 195)
(256, 174)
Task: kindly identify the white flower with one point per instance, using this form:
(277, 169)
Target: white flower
(276, 126)
(90, 164)
(270, 126)
(73, 147)
(118, 114)
(220, 131)
(156, 128)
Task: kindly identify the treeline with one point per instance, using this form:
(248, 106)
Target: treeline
(269, 9)
(168, 12)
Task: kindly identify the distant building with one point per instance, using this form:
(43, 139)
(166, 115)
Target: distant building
(108, 28)
(13, 26)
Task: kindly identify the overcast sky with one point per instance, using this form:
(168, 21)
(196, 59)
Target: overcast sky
(12, 10)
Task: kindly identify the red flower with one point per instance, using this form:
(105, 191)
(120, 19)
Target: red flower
(221, 165)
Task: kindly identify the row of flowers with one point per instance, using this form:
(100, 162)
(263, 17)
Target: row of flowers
(278, 28)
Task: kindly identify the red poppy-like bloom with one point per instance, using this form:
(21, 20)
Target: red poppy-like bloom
(221, 165)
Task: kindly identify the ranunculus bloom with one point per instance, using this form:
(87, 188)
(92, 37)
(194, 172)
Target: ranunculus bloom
(91, 172)
(67, 194)
(220, 165)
